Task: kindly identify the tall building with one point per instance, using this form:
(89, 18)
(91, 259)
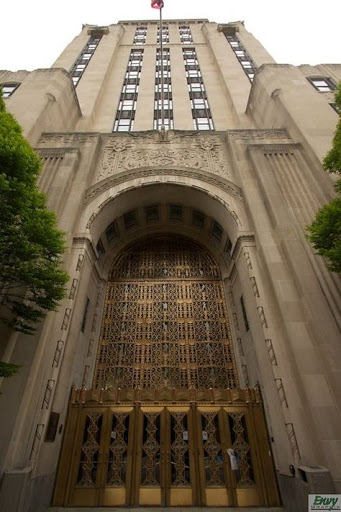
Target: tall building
(196, 358)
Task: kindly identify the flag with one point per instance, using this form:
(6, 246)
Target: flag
(157, 4)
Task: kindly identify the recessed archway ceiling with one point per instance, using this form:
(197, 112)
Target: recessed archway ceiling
(163, 208)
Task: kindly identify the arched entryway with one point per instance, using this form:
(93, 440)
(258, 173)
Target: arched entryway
(166, 416)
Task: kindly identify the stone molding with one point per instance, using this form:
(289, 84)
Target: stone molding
(275, 149)
(67, 138)
(94, 30)
(120, 178)
(56, 152)
(241, 240)
(251, 135)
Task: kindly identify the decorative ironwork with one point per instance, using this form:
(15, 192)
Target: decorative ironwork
(90, 451)
(165, 257)
(271, 352)
(150, 473)
(281, 392)
(240, 444)
(213, 457)
(48, 393)
(293, 441)
(58, 353)
(180, 468)
(117, 464)
(36, 440)
(165, 323)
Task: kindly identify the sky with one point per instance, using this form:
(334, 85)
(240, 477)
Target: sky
(34, 32)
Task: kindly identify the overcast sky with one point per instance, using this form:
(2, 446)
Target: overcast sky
(34, 32)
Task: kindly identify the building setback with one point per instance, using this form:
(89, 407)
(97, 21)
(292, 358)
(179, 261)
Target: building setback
(199, 324)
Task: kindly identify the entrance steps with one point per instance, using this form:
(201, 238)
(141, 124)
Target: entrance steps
(166, 509)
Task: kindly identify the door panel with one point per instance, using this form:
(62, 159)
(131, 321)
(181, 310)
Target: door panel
(117, 457)
(180, 465)
(246, 478)
(150, 475)
(85, 475)
(166, 455)
(215, 473)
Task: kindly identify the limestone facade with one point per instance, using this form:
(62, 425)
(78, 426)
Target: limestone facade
(258, 176)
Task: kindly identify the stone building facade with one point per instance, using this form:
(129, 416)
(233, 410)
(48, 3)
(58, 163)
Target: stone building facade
(234, 178)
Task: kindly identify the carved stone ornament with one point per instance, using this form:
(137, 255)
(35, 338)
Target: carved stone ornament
(66, 138)
(195, 151)
(256, 135)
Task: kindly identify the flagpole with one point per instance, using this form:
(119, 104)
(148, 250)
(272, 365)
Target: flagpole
(162, 79)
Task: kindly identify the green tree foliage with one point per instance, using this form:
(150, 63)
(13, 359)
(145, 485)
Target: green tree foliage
(31, 280)
(325, 230)
(8, 369)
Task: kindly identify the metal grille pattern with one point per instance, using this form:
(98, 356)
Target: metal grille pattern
(90, 451)
(170, 329)
(213, 457)
(180, 476)
(117, 464)
(240, 444)
(150, 474)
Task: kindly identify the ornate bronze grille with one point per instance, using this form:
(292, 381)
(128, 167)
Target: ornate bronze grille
(88, 464)
(165, 322)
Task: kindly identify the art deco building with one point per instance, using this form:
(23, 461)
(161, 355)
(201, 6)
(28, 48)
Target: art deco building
(198, 324)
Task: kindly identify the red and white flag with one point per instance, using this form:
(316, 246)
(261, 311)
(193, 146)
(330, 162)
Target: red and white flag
(157, 4)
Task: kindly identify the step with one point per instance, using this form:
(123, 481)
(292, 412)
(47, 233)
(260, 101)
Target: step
(166, 509)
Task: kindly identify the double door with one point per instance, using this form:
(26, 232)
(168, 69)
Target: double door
(165, 455)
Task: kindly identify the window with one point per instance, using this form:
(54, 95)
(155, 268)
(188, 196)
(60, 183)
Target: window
(246, 322)
(8, 89)
(85, 314)
(140, 35)
(165, 34)
(322, 84)
(228, 246)
(175, 212)
(100, 248)
(217, 231)
(242, 55)
(163, 101)
(125, 115)
(111, 232)
(129, 219)
(198, 219)
(185, 34)
(202, 118)
(152, 213)
(81, 63)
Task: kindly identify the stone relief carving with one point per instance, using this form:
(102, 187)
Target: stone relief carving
(67, 138)
(195, 151)
(249, 135)
(274, 149)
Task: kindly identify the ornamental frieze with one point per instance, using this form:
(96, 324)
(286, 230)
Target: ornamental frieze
(124, 153)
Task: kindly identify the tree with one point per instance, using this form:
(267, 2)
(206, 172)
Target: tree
(31, 279)
(325, 230)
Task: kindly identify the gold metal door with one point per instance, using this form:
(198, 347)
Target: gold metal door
(165, 462)
(215, 475)
(222, 429)
(101, 457)
(128, 452)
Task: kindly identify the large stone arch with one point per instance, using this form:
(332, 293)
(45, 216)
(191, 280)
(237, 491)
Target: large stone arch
(222, 207)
